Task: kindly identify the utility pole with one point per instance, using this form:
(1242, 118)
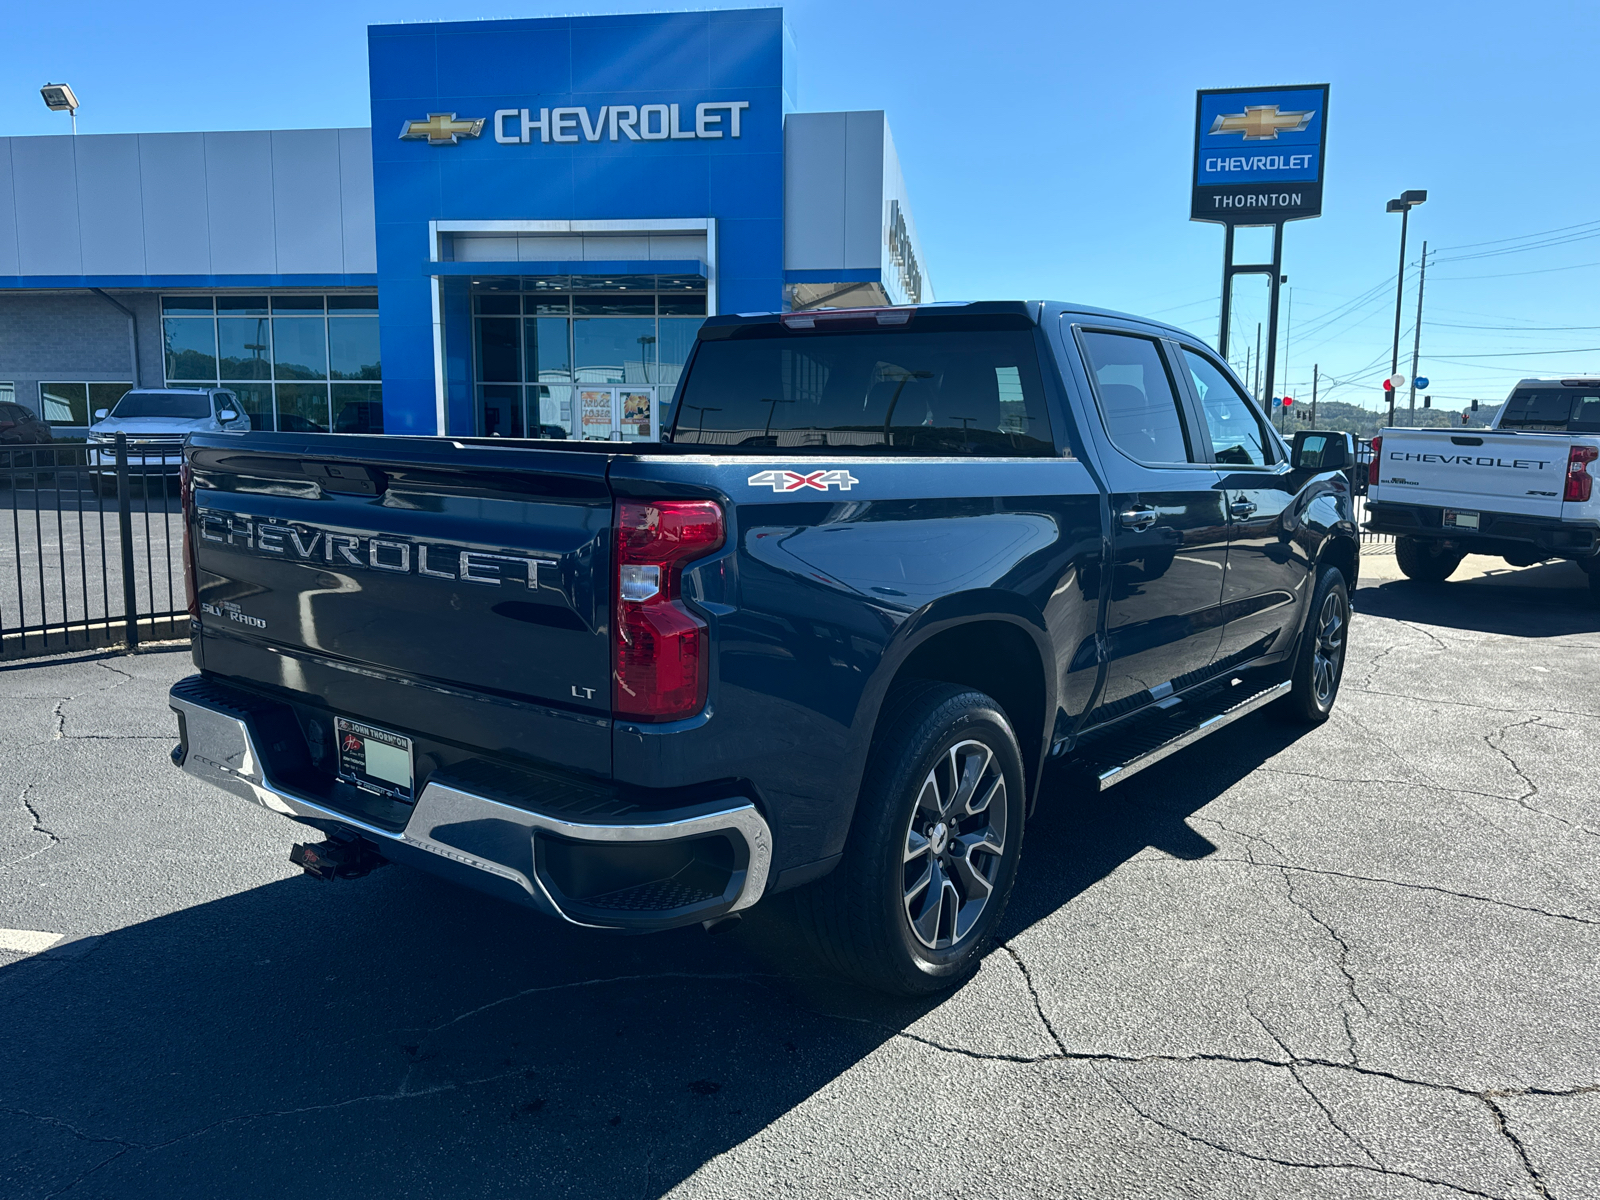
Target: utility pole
(1257, 388)
(1288, 332)
(1316, 372)
(1416, 341)
(1402, 204)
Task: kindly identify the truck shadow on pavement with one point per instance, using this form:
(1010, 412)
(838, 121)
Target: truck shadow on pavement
(394, 1035)
(1533, 602)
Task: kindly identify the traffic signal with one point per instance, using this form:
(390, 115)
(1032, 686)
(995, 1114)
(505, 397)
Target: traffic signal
(1427, 402)
(1474, 406)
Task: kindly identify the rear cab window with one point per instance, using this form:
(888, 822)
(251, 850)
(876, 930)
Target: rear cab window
(1553, 410)
(938, 384)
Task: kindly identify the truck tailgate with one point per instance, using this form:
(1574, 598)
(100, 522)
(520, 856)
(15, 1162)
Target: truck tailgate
(424, 586)
(1520, 473)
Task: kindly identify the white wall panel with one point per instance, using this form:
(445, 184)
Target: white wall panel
(360, 238)
(602, 248)
(539, 249)
(172, 173)
(814, 190)
(45, 192)
(863, 192)
(485, 249)
(8, 213)
(239, 203)
(110, 206)
(305, 200)
(688, 247)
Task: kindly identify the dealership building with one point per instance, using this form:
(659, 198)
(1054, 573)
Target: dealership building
(523, 244)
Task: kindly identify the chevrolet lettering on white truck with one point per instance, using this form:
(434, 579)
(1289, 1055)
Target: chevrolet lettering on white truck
(1522, 489)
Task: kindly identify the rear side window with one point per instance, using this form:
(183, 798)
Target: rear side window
(1552, 410)
(946, 391)
(1138, 404)
(1237, 436)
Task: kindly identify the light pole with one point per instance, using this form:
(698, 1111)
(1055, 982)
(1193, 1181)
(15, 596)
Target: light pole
(1403, 205)
(58, 97)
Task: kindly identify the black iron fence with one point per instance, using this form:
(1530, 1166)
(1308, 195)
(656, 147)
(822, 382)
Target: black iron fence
(1363, 460)
(91, 546)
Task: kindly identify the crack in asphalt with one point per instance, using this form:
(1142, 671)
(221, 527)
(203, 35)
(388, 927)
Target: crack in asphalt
(39, 827)
(1379, 879)
(1516, 1144)
(1495, 708)
(1223, 1148)
(1343, 961)
(1290, 1062)
(1305, 1087)
(402, 1092)
(1516, 767)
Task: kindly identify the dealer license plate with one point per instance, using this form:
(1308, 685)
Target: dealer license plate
(1460, 520)
(375, 760)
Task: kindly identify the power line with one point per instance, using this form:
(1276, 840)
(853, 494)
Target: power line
(1510, 274)
(1521, 237)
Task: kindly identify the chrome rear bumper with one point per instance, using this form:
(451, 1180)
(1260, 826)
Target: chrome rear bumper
(498, 844)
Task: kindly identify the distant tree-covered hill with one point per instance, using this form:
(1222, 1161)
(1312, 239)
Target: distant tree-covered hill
(1364, 422)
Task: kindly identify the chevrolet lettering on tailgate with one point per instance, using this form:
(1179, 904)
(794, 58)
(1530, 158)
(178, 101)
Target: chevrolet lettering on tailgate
(396, 555)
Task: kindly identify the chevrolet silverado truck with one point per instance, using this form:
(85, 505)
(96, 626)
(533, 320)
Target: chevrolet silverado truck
(884, 567)
(1521, 490)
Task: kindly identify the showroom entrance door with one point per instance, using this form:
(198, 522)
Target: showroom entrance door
(618, 414)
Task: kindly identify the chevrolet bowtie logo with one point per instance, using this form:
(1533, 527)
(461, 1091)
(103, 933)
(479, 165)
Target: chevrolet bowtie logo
(1261, 122)
(441, 129)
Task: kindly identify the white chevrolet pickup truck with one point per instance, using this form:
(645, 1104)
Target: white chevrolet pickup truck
(1522, 489)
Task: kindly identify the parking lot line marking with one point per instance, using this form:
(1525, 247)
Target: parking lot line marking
(28, 941)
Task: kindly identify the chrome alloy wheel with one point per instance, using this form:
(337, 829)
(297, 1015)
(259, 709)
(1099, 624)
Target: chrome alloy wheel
(955, 841)
(1327, 654)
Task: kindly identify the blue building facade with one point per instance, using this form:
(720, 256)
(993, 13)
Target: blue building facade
(524, 243)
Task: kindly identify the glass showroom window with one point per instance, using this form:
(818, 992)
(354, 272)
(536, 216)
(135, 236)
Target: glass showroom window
(62, 403)
(298, 363)
(539, 342)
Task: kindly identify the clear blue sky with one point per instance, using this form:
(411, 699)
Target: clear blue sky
(1047, 145)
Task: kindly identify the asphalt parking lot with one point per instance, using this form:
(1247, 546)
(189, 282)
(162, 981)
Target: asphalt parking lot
(1361, 961)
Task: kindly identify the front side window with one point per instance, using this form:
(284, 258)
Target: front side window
(1138, 404)
(1237, 435)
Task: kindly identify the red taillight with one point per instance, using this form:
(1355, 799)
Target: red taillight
(186, 490)
(1372, 463)
(1579, 481)
(659, 665)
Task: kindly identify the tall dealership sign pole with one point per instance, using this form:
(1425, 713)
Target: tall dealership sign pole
(1258, 155)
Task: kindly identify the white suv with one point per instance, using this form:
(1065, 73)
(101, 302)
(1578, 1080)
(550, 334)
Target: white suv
(157, 421)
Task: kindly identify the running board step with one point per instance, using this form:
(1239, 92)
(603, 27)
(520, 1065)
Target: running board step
(1184, 727)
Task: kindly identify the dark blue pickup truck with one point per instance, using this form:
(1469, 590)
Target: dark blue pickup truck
(885, 567)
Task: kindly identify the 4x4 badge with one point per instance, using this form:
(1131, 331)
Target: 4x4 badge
(793, 481)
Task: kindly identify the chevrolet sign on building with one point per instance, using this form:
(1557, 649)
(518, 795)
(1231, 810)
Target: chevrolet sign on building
(524, 243)
(1258, 154)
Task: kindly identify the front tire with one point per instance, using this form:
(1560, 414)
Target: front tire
(1319, 659)
(1425, 560)
(933, 847)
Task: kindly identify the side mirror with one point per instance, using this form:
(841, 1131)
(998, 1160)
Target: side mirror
(1321, 450)
(227, 414)
(100, 414)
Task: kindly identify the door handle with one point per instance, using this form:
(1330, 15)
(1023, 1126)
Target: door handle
(1242, 508)
(1138, 518)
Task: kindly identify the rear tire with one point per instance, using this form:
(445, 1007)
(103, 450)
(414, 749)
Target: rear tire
(1319, 658)
(1424, 560)
(940, 811)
